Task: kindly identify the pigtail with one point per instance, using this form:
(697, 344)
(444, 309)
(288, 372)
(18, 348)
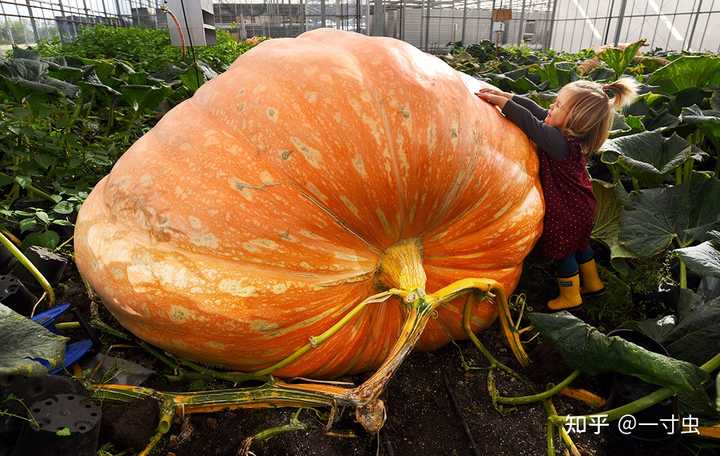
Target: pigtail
(621, 92)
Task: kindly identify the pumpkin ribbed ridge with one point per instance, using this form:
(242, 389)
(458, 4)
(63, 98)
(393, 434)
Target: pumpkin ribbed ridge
(256, 214)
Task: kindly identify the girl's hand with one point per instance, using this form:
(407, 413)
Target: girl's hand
(492, 98)
(494, 91)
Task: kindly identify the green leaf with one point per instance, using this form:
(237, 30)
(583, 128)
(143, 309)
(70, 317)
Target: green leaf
(655, 328)
(22, 340)
(23, 181)
(620, 59)
(696, 338)
(64, 207)
(687, 72)
(28, 224)
(607, 219)
(44, 160)
(64, 432)
(704, 258)
(648, 152)
(48, 239)
(658, 216)
(585, 348)
(43, 217)
(707, 120)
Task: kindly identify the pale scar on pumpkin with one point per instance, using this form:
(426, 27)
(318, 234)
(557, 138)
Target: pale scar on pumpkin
(256, 245)
(316, 192)
(383, 221)
(208, 240)
(350, 205)
(263, 325)
(359, 165)
(237, 288)
(214, 345)
(246, 189)
(180, 314)
(272, 114)
(311, 235)
(313, 156)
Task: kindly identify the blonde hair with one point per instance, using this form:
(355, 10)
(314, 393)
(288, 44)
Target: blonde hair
(590, 110)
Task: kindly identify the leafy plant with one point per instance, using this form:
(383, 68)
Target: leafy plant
(620, 59)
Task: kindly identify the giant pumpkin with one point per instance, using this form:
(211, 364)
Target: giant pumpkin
(315, 172)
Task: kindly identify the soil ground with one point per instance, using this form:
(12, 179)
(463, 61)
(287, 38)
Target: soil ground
(437, 404)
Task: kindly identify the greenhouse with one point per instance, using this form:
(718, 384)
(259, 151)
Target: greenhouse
(359, 227)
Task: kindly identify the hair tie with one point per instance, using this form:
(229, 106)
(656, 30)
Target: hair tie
(608, 90)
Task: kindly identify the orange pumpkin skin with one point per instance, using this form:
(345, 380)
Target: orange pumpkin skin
(254, 215)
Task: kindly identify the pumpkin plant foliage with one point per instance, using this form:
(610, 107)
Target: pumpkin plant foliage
(312, 174)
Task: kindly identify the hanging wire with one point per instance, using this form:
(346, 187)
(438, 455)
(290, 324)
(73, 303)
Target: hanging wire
(192, 46)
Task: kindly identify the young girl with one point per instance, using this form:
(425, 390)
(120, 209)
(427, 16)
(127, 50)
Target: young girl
(574, 127)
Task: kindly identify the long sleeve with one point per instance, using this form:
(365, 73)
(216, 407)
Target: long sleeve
(547, 138)
(531, 106)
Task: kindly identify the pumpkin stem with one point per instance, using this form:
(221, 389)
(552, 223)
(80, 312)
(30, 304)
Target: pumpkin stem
(401, 266)
(494, 290)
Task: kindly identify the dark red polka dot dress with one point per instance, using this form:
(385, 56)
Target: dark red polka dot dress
(569, 203)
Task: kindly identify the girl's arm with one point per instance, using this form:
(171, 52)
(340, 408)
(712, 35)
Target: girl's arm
(531, 106)
(548, 138)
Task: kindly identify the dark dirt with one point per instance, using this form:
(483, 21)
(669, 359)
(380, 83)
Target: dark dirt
(437, 404)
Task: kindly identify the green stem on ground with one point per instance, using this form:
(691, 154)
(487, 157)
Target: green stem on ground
(564, 435)
(518, 400)
(68, 325)
(30, 267)
(683, 274)
(294, 425)
(63, 244)
(494, 363)
(642, 403)
(550, 434)
(167, 413)
(104, 327)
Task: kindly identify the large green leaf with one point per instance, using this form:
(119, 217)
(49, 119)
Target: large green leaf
(22, 341)
(144, 97)
(648, 152)
(607, 219)
(687, 72)
(703, 258)
(696, 338)
(657, 216)
(554, 74)
(624, 125)
(620, 59)
(707, 120)
(585, 348)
